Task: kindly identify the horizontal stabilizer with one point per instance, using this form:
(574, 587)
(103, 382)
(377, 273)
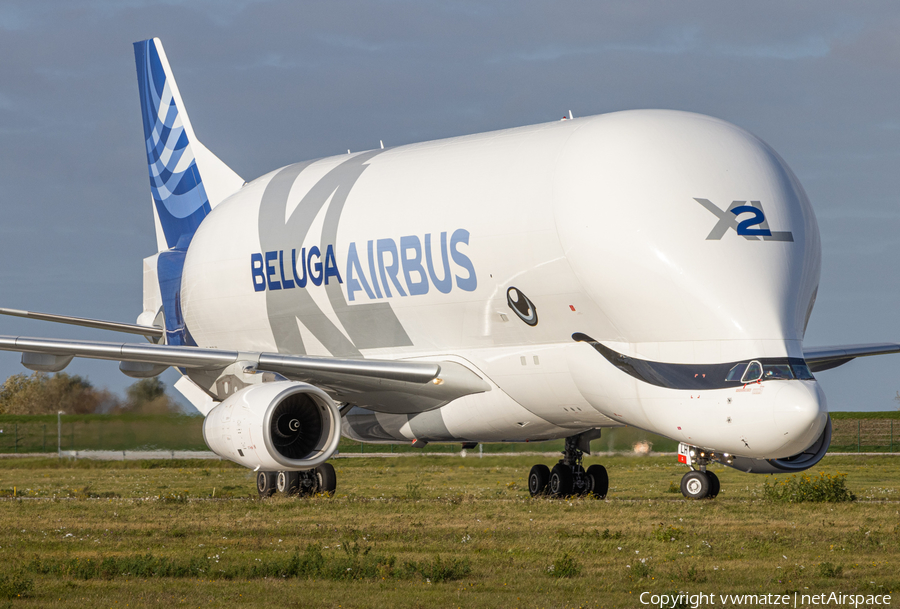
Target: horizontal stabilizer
(148, 331)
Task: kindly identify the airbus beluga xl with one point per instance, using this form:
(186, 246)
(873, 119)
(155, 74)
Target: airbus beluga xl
(542, 282)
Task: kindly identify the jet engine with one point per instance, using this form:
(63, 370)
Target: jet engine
(796, 463)
(275, 426)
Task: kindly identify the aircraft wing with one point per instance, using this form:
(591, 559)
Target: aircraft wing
(826, 358)
(381, 385)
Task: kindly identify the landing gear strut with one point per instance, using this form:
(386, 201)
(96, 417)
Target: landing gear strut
(321, 480)
(568, 477)
(699, 483)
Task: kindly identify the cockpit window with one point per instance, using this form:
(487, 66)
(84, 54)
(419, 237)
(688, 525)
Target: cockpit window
(702, 376)
(777, 372)
(753, 373)
(801, 371)
(735, 374)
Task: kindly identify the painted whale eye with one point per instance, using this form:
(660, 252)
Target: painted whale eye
(521, 306)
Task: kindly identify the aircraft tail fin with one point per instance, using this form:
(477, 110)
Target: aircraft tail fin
(186, 182)
(186, 179)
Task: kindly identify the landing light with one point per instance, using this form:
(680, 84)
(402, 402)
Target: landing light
(437, 381)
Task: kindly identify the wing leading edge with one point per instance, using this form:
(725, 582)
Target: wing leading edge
(381, 385)
(826, 358)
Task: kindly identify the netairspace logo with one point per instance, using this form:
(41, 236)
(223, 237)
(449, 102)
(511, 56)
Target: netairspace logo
(833, 599)
(410, 268)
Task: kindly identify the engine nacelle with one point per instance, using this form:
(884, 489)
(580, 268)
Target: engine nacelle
(275, 426)
(786, 465)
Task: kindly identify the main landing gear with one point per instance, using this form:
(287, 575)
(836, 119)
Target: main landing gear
(699, 483)
(319, 481)
(568, 477)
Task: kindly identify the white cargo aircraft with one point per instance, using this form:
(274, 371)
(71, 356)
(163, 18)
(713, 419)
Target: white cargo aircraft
(648, 268)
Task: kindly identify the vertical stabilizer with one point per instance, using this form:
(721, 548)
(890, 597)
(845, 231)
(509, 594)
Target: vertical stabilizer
(186, 182)
(186, 179)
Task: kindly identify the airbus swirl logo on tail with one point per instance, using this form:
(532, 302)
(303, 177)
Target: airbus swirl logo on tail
(178, 192)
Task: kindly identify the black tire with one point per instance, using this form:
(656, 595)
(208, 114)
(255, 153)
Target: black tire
(287, 483)
(538, 479)
(326, 479)
(714, 485)
(561, 481)
(598, 481)
(265, 484)
(306, 483)
(695, 485)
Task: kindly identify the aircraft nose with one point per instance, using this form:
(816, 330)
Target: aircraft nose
(801, 413)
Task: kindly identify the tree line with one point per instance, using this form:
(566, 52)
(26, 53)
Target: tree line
(42, 393)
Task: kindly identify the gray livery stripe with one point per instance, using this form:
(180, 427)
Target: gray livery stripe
(271, 221)
(365, 425)
(370, 425)
(429, 426)
(369, 326)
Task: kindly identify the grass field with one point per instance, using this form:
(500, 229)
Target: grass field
(39, 434)
(429, 531)
(853, 432)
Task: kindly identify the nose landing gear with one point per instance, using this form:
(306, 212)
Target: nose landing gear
(568, 477)
(698, 483)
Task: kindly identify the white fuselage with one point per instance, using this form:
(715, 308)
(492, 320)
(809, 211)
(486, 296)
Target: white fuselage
(603, 223)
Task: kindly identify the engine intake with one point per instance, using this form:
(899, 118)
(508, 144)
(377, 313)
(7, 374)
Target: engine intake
(275, 426)
(296, 426)
(796, 463)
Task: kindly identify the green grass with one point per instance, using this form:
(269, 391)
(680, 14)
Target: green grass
(429, 532)
(798, 488)
(29, 434)
(853, 416)
(35, 434)
(853, 432)
(865, 434)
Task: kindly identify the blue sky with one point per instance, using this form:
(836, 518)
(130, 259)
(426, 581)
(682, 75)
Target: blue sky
(270, 83)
